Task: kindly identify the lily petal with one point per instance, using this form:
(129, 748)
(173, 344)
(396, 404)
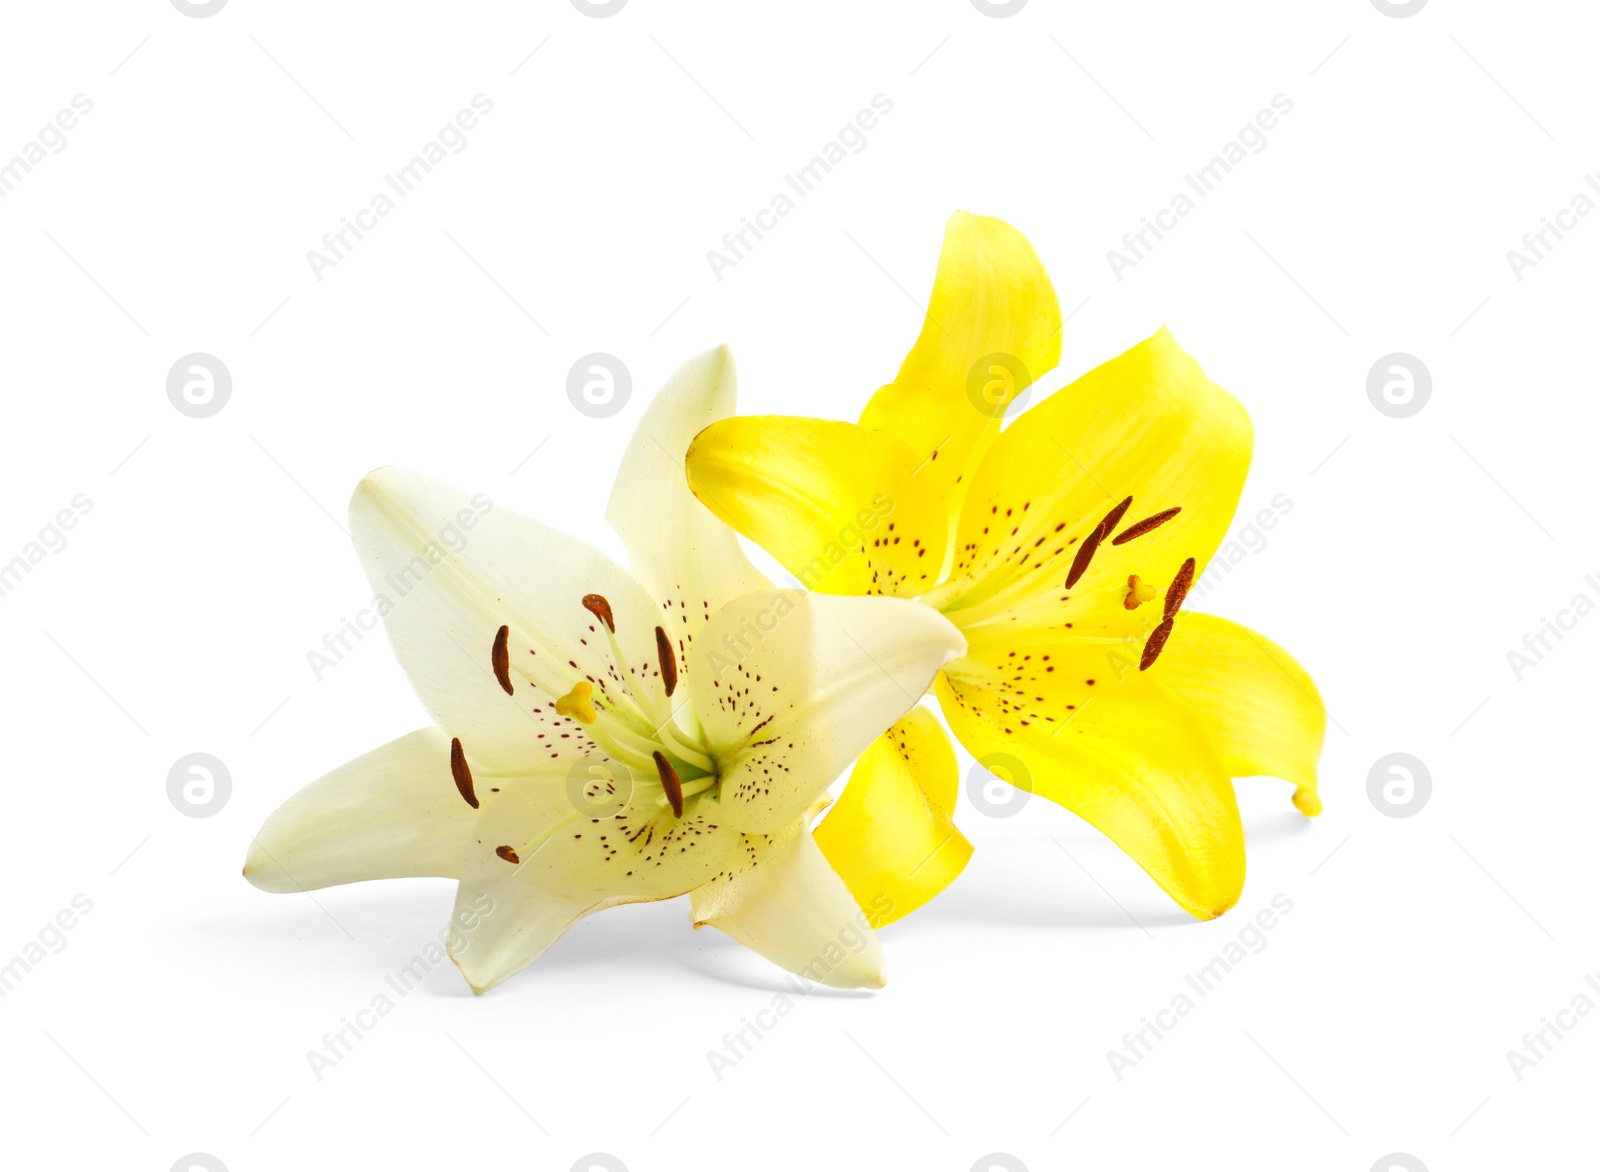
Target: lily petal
(538, 861)
(390, 813)
(846, 509)
(889, 836)
(453, 569)
(1256, 705)
(791, 687)
(1133, 764)
(1148, 424)
(788, 904)
(690, 562)
(993, 325)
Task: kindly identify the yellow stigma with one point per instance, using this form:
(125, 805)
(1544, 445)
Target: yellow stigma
(1138, 592)
(1307, 802)
(576, 703)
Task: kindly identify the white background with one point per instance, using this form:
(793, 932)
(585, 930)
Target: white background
(178, 1014)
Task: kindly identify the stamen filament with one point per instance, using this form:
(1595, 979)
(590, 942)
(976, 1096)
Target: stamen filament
(606, 738)
(533, 844)
(689, 790)
(673, 737)
(637, 689)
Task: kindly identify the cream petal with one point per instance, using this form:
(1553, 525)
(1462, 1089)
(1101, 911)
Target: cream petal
(791, 687)
(786, 903)
(390, 813)
(688, 560)
(449, 570)
(568, 859)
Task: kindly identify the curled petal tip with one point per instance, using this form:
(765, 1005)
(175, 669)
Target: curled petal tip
(1307, 802)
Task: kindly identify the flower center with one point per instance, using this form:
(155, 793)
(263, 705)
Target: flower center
(627, 714)
(994, 606)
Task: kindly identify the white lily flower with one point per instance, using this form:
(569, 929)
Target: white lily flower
(606, 737)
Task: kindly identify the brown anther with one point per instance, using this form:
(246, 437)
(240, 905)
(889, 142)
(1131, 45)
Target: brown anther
(1154, 644)
(669, 661)
(1179, 590)
(463, 775)
(597, 605)
(1114, 518)
(1140, 528)
(507, 854)
(670, 782)
(501, 659)
(1080, 561)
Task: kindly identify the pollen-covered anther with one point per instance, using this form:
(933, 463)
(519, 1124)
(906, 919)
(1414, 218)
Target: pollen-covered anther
(669, 782)
(1154, 644)
(576, 703)
(1080, 561)
(668, 660)
(1140, 528)
(597, 605)
(501, 659)
(507, 854)
(1138, 593)
(462, 775)
(1179, 590)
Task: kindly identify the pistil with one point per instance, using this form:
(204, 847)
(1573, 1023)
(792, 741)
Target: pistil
(1138, 593)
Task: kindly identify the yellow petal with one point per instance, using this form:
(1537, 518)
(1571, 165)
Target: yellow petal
(1148, 424)
(847, 510)
(1256, 705)
(1131, 763)
(993, 326)
(890, 837)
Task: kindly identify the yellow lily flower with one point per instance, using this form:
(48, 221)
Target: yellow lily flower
(1062, 547)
